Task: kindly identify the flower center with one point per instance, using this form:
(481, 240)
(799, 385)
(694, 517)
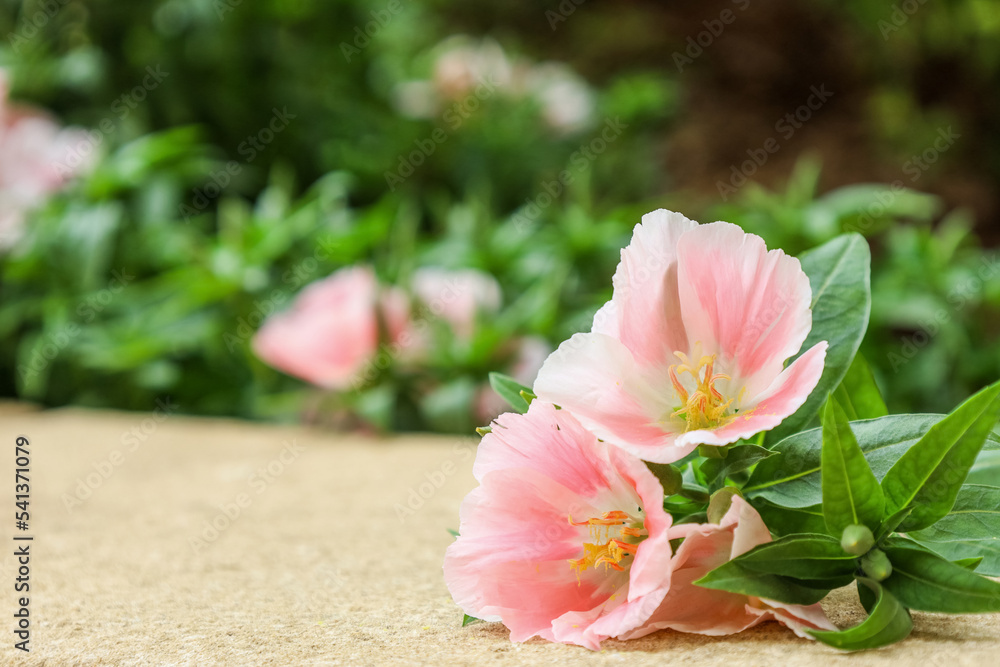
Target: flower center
(705, 407)
(615, 535)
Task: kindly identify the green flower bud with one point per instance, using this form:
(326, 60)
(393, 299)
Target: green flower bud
(876, 565)
(857, 540)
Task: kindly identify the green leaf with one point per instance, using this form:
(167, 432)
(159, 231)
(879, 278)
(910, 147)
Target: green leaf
(669, 476)
(851, 494)
(858, 394)
(840, 277)
(970, 529)
(925, 581)
(888, 623)
(792, 478)
(789, 520)
(735, 578)
(929, 475)
(510, 390)
(453, 532)
(739, 458)
(969, 563)
(470, 620)
(986, 469)
(800, 556)
(720, 503)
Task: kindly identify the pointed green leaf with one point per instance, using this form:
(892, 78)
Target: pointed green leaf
(969, 563)
(925, 581)
(851, 494)
(735, 578)
(792, 477)
(888, 623)
(470, 620)
(929, 475)
(840, 277)
(510, 390)
(970, 529)
(741, 457)
(800, 556)
(858, 394)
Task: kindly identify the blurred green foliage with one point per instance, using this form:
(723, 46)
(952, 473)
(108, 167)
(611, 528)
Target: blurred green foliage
(148, 276)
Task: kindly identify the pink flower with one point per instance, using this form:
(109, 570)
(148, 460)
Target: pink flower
(565, 537)
(37, 158)
(331, 332)
(691, 348)
(691, 608)
(457, 296)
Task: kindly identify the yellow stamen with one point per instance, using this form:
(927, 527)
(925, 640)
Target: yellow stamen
(705, 407)
(608, 551)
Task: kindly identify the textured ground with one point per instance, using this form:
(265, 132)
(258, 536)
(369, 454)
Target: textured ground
(316, 563)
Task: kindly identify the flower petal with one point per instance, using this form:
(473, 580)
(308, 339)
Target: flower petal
(646, 296)
(748, 305)
(786, 394)
(596, 378)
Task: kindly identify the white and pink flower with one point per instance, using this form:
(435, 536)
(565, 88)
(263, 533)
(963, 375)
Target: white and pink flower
(332, 331)
(565, 538)
(691, 348)
(37, 158)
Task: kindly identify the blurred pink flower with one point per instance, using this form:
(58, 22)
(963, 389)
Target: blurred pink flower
(565, 537)
(691, 348)
(37, 158)
(457, 296)
(331, 332)
(706, 546)
(567, 101)
(464, 67)
(464, 64)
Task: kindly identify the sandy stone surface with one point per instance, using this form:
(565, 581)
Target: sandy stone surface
(316, 564)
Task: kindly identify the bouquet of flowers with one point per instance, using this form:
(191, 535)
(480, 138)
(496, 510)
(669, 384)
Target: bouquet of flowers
(715, 453)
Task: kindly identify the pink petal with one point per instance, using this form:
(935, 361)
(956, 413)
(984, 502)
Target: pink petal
(786, 394)
(748, 305)
(329, 334)
(596, 378)
(646, 289)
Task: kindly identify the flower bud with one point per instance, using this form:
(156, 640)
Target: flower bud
(857, 540)
(876, 565)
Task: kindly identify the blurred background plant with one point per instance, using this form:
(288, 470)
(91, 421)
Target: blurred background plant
(235, 153)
